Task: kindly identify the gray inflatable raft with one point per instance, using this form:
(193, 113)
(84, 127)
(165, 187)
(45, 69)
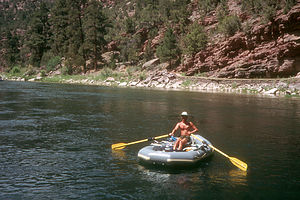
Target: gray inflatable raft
(162, 153)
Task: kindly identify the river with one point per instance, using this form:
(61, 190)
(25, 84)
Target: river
(55, 143)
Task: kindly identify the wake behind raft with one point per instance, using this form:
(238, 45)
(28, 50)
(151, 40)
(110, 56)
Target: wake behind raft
(161, 153)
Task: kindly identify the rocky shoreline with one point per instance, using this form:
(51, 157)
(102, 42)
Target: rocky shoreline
(173, 81)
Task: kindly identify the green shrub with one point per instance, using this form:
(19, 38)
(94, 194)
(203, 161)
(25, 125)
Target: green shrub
(15, 70)
(267, 8)
(222, 10)
(168, 49)
(106, 72)
(52, 63)
(247, 28)
(229, 25)
(43, 73)
(187, 83)
(268, 13)
(252, 6)
(66, 70)
(202, 74)
(148, 55)
(142, 76)
(129, 48)
(129, 25)
(208, 5)
(195, 40)
(288, 5)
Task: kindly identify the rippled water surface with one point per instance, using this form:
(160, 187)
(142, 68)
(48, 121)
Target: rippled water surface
(55, 143)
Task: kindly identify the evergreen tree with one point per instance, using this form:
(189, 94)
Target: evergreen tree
(95, 26)
(129, 25)
(38, 35)
(68, 33)
(59, 22)
(208, 5)
(76, 56)
(195, 40)
(147, 13)
(168, 50)
(165, 9)
(180, 12)
(12, 49)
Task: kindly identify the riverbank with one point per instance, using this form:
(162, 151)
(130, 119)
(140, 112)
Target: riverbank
(281, 87)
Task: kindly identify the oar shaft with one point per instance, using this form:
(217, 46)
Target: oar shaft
(224, 154)
(211, 146)
(145, 140)
(120, 145)
(240, 164)
(162, 136)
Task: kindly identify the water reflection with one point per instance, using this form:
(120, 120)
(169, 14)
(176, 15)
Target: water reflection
(153, 176)
(237, 177)
(119, 154)
(187, 179)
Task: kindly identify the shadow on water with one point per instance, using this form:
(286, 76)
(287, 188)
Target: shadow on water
(177, 168)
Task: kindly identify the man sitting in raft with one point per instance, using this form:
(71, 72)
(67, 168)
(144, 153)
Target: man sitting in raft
(186, 129)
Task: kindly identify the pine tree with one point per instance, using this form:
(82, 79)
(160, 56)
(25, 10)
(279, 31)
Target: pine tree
(59, 22)
(180, 12)
(76, 56)
(38, 35)
(147, 13)
(12, 52)
(68, 33)
(168, 50)
(95, 26)
(195, 40)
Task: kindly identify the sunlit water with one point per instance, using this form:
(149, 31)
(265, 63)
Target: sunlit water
(55, 143)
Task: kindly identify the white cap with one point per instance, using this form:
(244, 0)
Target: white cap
(184, 114)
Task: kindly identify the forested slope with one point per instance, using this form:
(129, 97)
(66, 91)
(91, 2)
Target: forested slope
(218, 38)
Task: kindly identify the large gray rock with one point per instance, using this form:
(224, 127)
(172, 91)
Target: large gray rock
(151, 63)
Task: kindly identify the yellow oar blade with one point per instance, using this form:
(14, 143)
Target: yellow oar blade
(240, 164)
(118, 146)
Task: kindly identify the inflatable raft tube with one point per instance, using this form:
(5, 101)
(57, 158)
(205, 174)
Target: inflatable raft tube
(161, 153)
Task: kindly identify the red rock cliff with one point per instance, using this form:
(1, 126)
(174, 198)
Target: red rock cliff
(267, 50)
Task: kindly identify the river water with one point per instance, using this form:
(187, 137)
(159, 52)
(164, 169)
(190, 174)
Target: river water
(55, 143)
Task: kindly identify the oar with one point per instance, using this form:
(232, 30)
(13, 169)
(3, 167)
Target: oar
(123, 145)
(240, 164)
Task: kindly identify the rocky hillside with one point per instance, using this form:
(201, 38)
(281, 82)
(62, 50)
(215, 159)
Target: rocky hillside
(262, 46)
(209, 38)
(266, 50)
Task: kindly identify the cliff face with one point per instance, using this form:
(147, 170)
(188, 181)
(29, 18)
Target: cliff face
(265, 51)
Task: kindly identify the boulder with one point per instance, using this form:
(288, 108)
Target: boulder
(272, 91)
(109, 56)
(110, 79)
(150, 64)
(123, 84)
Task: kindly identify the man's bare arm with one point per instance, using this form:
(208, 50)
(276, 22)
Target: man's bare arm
(174, 130)
(194, 127)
